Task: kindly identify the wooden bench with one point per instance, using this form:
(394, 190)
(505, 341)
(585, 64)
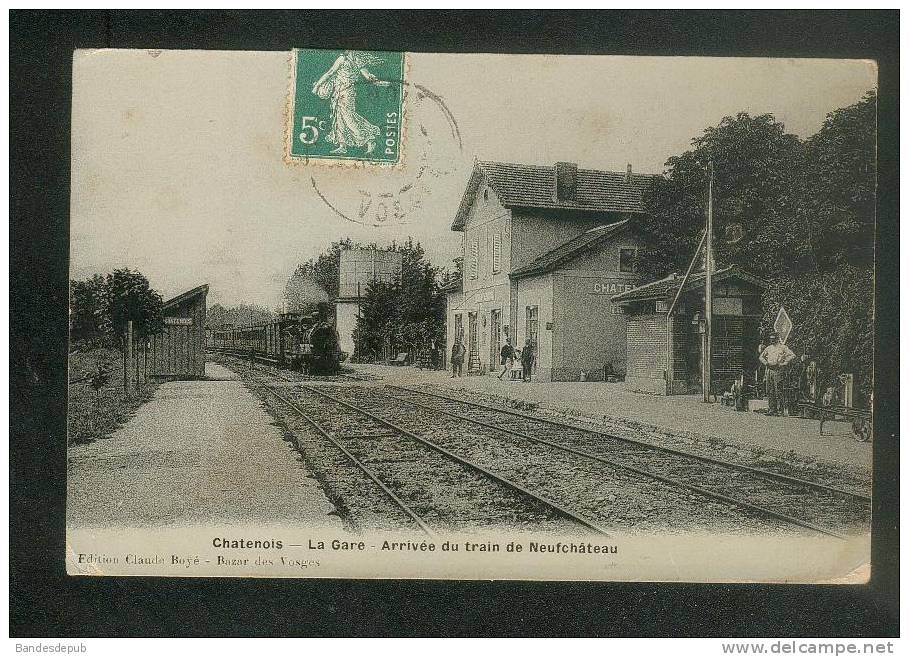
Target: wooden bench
(860, 418)
(400, 359)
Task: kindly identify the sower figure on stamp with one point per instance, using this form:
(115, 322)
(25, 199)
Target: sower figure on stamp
(348, 127)
(457, 357)
(776, 357)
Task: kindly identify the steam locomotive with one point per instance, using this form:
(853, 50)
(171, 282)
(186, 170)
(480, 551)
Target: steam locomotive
(306, 342)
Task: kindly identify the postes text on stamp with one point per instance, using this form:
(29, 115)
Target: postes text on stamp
(346, 105)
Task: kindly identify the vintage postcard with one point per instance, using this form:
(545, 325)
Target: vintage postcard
(338, 313)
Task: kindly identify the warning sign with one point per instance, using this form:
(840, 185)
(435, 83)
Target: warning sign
(783, 325)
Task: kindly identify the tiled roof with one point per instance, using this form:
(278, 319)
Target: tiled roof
(665, 286)
(180, 298)
(570, 249)
(532, 186)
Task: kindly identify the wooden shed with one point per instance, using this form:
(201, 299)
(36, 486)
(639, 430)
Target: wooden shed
(665, 353)
(179, 351)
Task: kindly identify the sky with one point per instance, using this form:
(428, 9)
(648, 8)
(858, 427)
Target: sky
(178, 168)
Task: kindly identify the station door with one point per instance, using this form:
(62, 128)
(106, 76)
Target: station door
(533, 332)
(495, 337)
(473, 354)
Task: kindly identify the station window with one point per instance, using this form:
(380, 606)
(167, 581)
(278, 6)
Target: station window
(496, 253)
(459, 328)
(475, 259)
(628, 260)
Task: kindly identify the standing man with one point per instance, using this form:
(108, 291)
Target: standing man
(776, 357)
(794, 384)
(527, 357)
(457, 357)
(507, 355)
(809, 382)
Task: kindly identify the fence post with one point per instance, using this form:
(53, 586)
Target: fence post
(127, 353)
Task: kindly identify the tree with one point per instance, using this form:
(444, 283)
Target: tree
(840, 186)
(325, 269)
(458, 273)
(800, 214)
(240, 315)
(757, 184)
(408, 315)
(128, 296)
(87, 310)
(833, 318)
(377, 321)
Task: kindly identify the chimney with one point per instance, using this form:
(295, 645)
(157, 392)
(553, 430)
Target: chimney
(566, 181)
(628, 174)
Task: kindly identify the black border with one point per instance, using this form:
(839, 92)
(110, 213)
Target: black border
(45, 602)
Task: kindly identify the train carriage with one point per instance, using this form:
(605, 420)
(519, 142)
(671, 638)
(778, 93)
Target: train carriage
(301, 341)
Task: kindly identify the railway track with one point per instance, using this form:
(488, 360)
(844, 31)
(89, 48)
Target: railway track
(407, 511)
(433, 487)
(613, 497)
(570, 464)
(794, 501)
(271, 366)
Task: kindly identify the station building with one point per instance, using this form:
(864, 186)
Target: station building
(665, 352)
(178, 352)
(358, 268)
(545, 249)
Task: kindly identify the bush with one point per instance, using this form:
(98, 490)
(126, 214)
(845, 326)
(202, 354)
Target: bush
(93, 415)
(833, 321)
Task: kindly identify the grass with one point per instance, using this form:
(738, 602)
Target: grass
(94, 415)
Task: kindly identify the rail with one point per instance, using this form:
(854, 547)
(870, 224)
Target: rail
(761, 510)
(357, 462)
(555, 506)
(639, 443)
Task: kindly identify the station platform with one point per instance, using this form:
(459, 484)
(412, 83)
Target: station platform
(198, 453)
(613, 402)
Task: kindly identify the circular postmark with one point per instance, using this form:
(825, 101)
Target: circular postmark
(363, 170)
(378, 197)
(375, 196)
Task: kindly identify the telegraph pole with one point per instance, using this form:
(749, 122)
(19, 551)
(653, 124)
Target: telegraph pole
(708, 289)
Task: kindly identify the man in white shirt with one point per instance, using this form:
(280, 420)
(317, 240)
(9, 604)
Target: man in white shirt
(776, 357)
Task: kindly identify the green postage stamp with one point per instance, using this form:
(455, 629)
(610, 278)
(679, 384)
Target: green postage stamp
(346, 105)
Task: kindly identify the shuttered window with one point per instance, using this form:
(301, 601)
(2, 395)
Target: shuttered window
(475, 259)
(496, 253)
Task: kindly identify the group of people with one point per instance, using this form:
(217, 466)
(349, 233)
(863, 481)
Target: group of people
(789, 380)
(517, 363)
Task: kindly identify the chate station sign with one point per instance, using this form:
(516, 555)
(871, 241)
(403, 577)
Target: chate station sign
(610, 287)
(178, 321)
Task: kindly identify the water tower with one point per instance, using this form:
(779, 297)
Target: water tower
(358, 268)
